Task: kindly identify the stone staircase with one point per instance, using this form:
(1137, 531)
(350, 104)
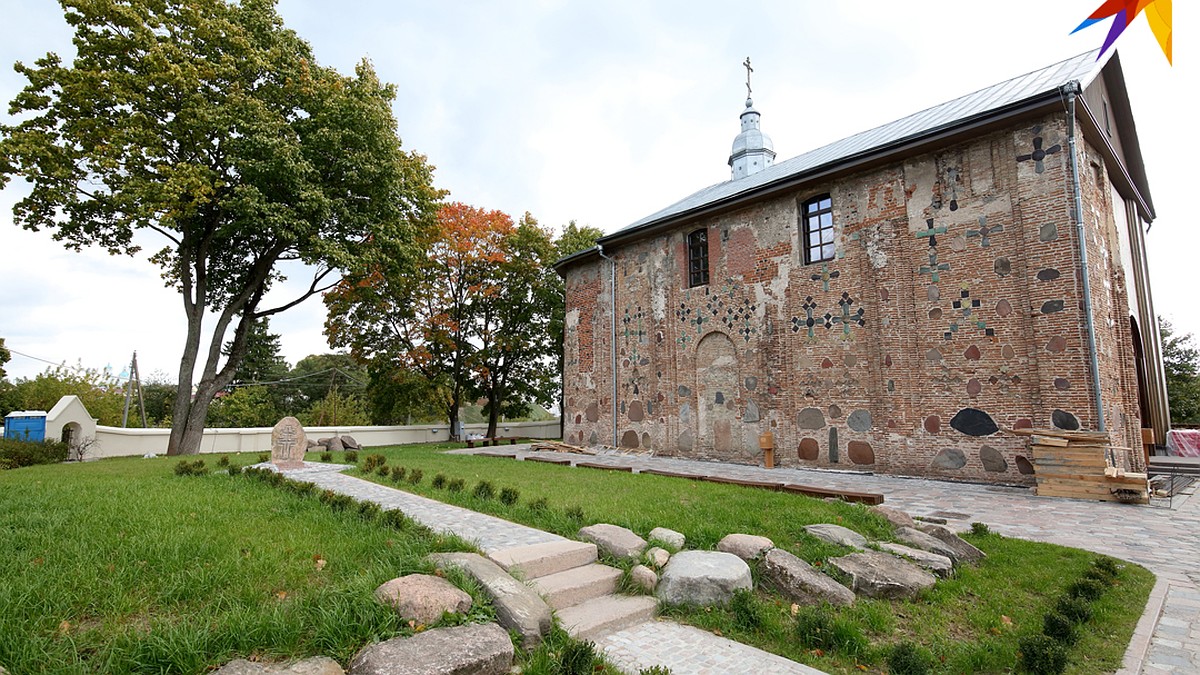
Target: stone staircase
(581, 591)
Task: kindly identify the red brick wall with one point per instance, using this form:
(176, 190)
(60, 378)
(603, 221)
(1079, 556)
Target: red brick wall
(1000, 330)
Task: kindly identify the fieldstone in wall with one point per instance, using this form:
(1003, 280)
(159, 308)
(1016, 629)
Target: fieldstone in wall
(992, 460)
(974, 422)
(949, 459)
(1061, 419)
(810, 449)
(630, 439)
(750, 416)
(810, 418)
(592, 412)
(637, 411)
(859, 420)
(860, 452)
(1024, 466)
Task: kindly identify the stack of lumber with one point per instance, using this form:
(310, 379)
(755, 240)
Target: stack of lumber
(558, 446)
(1082, 465)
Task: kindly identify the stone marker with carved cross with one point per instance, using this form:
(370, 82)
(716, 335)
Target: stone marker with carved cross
(288, 444)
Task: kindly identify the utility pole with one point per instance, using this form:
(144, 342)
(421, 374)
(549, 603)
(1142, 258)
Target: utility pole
(134, 379)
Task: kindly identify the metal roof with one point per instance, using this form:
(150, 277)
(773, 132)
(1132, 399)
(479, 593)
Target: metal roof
(1082, 68)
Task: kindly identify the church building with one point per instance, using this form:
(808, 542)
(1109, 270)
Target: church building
(897, 301)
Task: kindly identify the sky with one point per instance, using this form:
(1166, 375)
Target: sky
(602, 113)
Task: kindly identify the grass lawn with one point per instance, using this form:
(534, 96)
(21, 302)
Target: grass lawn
(120, 566)
(971, 623)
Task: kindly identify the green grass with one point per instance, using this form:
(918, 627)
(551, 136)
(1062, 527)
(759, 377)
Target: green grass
(120, 566)
(970, 623)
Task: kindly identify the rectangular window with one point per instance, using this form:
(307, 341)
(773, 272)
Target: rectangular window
(698, 258)
(816, 228)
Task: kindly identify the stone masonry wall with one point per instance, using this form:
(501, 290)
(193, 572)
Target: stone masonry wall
(953, 309)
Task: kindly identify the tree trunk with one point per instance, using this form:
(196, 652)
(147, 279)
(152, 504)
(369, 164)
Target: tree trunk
(452, 414)
(493, 413)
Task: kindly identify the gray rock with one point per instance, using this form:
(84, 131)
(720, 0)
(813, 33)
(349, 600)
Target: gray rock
(423, 597)
(671, 538)
(332, 444)
(879, 575)
(476, 649)
(518, 607)
(658, 557)
(318, 665)
(614, 540)
(926, 542)
(644, 577)
(797, 581)
(963, 550)
(745, 546)
(940, 565)
(896, 517)
(308, 442)
(703, 578)
(349, 443)
(836, 534)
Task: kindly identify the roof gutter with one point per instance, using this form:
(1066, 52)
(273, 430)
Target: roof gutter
(1073, 91)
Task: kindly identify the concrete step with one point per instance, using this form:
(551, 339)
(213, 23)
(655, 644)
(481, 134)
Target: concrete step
(539, 560)
(576, 585)
(601, 616)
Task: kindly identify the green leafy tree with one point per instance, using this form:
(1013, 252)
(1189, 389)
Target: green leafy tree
(261, 361)
(5, 357)
(101, 393)
(337, 409)
(517, 349)
(245, 407)
(576, 238)
(1181, 361)
(397, 395)
(158, 393)
(315, 375)
(210, 125)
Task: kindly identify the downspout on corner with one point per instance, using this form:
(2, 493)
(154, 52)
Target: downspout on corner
(612, 341)
(1072, 91)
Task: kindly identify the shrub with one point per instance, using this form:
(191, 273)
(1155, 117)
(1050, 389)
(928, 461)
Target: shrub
(369, 510)
(1041, 655)
(575, 513)
(655, 670)
(509, 496)
(16, 453)
(234, 470)
(1059, 628)
(351, 457)
(398, 473)
(980, 529)
(456, 485)
(1105, 570)
(439, 481)
(748, 612)
(1088, 589)
(382, 471)
(372, 462)
(415, 476)
(264, 457)
(327, 457)
(186, 468)
(223, 462)
(577, 658)
(540, 504)
(907, 658)
(1077, 610)
(395, 519)
(484, 490)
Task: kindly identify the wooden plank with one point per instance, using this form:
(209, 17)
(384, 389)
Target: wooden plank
(868, 498)
(769, 485)
(673, 474)
(548, 460)
(608, 467)
(1050, 441)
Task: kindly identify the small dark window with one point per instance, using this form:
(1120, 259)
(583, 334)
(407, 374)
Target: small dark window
(698, 258)
(816, 220)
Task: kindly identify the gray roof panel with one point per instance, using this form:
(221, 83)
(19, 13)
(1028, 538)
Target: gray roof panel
(1082, 68)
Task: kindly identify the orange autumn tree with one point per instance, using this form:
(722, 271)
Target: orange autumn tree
(401, 316)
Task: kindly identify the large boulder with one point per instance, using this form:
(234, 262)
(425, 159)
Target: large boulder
(518, 607)
(703, 578)
(614, 540)
(745, 546)
(879, 575)
(940, 565)
(962, 549)
(349, 443)
(318, 665)
(475, 649)
(423, 598)
(671, 538)
(896, 517)
(926, 542)
(836, 534)
(797, 581)
(333, 444)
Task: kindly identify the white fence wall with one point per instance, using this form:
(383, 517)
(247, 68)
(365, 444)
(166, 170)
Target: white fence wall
(119, 442)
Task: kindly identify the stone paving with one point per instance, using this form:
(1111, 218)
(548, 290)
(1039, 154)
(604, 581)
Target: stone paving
(683, 649)
(1164, 538)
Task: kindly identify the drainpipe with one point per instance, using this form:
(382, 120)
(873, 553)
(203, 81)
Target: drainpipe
(612, 342)
(1072, 90)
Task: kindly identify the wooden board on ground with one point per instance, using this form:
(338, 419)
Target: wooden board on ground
(559, 446)
(548, 460)
(609, 467)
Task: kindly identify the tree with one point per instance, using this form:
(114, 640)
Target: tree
(5, 357)
(512, 319)
(101, 393)
(210, 125)
(245, 407)
(315, 375)
(336, 409)
(575, 238)
(261, 361)
(1181, 361)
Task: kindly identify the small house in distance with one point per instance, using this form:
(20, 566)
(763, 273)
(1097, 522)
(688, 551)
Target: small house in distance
(891, 301)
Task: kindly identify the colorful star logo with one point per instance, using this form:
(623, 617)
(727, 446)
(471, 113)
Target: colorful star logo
(1158, 14)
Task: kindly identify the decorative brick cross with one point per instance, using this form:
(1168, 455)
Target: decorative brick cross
(1038, 153)
(984, 232)
(825, 275)
(930, 231)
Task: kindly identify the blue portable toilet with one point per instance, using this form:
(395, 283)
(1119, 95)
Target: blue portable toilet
(25, 425)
